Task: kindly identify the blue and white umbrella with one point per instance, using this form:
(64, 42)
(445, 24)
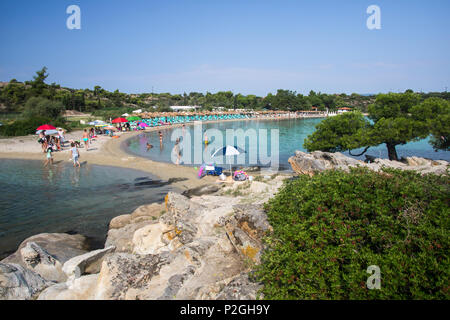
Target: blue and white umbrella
(228, 151)
(97, 123)
(48, 132)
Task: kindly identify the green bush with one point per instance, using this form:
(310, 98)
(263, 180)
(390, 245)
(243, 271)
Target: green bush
(42, 107)
(28, 126)
(329, 228)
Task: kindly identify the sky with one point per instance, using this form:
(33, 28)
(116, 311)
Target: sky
(246, 46)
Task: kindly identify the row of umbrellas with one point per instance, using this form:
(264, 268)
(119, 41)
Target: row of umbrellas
(49, 129)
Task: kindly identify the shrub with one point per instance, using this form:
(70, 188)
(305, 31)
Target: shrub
(329, 228)
(28, 126)
(42, 107)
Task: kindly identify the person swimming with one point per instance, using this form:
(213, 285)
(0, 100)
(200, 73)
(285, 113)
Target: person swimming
(149, 146)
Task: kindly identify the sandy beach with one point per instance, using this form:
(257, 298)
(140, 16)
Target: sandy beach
(104, 151)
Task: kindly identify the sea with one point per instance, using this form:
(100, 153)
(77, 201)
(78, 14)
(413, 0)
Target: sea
(276, 139)
(60, 198)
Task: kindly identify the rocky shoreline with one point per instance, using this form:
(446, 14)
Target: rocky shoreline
(202, 244)
(202, 247)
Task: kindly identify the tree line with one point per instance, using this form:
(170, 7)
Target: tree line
(15, 95)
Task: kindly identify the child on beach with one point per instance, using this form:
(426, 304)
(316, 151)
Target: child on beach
(49, 157)
(75, 155)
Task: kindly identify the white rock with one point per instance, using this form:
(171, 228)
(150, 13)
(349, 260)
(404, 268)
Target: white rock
(76, 266)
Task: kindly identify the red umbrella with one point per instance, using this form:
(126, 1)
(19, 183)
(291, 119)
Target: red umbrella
(119, 120)
(46, 127)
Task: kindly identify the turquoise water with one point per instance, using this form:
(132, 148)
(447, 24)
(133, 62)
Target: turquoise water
(291, 134)
(34, 199)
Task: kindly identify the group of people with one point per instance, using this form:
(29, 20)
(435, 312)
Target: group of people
(56, 142)
(125, 127)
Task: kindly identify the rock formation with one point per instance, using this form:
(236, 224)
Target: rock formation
(197, 247)
(310, 163)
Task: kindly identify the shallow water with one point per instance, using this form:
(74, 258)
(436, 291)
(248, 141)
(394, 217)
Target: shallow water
(291, 135)
(34, 199)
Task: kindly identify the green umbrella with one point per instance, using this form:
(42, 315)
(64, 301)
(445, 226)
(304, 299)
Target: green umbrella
(133, 118)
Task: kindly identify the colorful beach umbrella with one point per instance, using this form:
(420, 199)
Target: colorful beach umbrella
(133, 118)
(143, 125)
(46, 127)
(119, 120)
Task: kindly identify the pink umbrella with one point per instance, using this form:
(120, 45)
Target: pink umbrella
(119, 120)
(46, 127)
(143, 125)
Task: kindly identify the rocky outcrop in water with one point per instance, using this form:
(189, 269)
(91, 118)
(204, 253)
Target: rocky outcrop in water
(310, 163)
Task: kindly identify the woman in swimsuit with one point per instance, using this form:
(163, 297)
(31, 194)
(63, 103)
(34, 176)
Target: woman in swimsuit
(86, 139)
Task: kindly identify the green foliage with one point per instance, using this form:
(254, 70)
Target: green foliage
(343, 132)
(327, 229)
(397, 118)
(28, 126)
(436, 113)
(42, 107)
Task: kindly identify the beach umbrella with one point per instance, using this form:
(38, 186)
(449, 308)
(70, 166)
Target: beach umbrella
(96, 122)
(143, 125)
(228, 151)
(119, 120)
(125, 115)
(46, 127)
(48, 132)
(133, 118)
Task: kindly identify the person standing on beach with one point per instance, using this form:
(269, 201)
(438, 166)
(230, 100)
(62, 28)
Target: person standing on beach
(61, 136)
(160, 139)
(75, 155)
(42, 140)
(86, 139)
(49, 157)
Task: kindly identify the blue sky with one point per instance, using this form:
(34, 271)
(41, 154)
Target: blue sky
(246, 46)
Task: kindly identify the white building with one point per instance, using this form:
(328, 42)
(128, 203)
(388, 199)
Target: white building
(184, 108)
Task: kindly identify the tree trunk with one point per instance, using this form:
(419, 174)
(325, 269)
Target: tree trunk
(392, 153)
